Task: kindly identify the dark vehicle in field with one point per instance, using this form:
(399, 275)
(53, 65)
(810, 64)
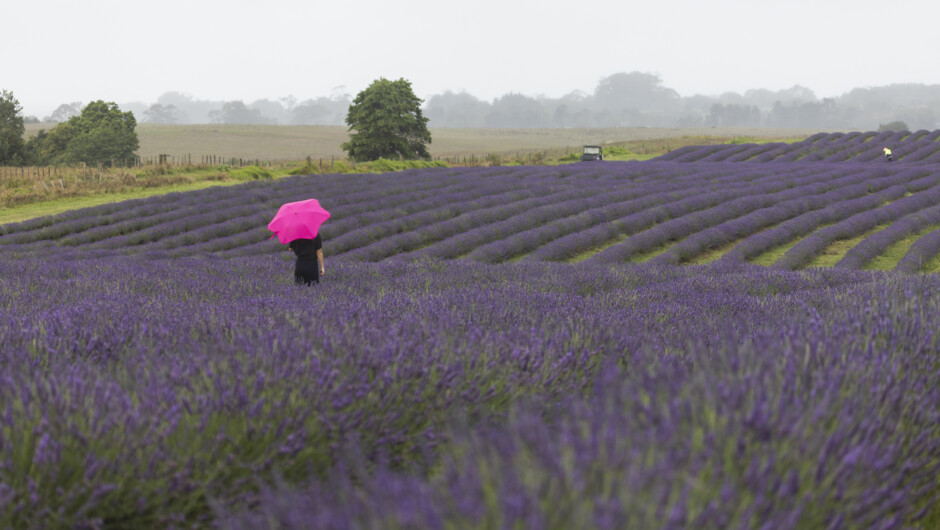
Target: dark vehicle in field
(592, 152)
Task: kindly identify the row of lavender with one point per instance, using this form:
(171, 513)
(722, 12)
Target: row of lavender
(760, 216)
(196, 392)
(608, 213)
(920, 147)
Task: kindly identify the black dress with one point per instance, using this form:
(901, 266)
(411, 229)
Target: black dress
(306, 269)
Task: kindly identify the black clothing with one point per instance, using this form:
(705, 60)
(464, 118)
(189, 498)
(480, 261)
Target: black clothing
(306, 269)
(306, 248)
(306, 272)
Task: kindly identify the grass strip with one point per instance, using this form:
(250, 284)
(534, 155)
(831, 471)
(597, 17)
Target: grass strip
(55, 206)
(594, 250)
(933, 266)
(889, 259)
(713, 254)
(837, 249)
(769, 257)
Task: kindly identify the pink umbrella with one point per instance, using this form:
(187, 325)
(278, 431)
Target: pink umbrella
(298, 220)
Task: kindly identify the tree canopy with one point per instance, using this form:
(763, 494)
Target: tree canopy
(238, 112)
(634, 90)
(63, 112)
(388, 122)
(12, 147)
(893, 126)
(163, 114)
(101, 133)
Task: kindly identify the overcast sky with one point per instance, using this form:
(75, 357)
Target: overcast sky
(61, 51)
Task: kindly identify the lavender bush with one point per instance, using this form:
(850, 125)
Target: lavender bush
(159, 368)
(822, 147)
(859, 255)
(810, 246)
(922, 251)
(140, 399)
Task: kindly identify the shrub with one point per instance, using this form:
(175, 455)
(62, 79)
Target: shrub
(251, 173)
(892, 126)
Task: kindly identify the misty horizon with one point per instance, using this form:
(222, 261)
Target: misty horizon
(133, 53)
(633, 99)
(341, 91)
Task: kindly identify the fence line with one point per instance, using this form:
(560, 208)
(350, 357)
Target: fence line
(86, 171)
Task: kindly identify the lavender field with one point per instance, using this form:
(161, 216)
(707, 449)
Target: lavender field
(531, 347)
(732, 203)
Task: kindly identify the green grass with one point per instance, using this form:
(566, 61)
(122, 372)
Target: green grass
(933, 266)
(931, 521)
(646, 256)
(55, 206)
(889, 259)
(713, 254)
(159, 180)
(639, 258)
(594, 250)
(837, 249)
(769, 257)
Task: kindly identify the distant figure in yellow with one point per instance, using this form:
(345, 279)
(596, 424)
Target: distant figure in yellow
(888, 154)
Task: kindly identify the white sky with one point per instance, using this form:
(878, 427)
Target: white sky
(60, 51)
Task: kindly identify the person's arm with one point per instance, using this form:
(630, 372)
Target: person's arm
(320, 261)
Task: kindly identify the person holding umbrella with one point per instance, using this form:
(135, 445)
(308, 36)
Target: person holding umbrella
(297, 225)
(309, 265)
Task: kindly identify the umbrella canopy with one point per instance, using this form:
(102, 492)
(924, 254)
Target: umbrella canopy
(298, 220)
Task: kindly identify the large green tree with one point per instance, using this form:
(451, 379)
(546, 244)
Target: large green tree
(388, 123)
(12, 147)
(101, 133)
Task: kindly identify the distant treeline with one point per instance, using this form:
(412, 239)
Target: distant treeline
(632, 99)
